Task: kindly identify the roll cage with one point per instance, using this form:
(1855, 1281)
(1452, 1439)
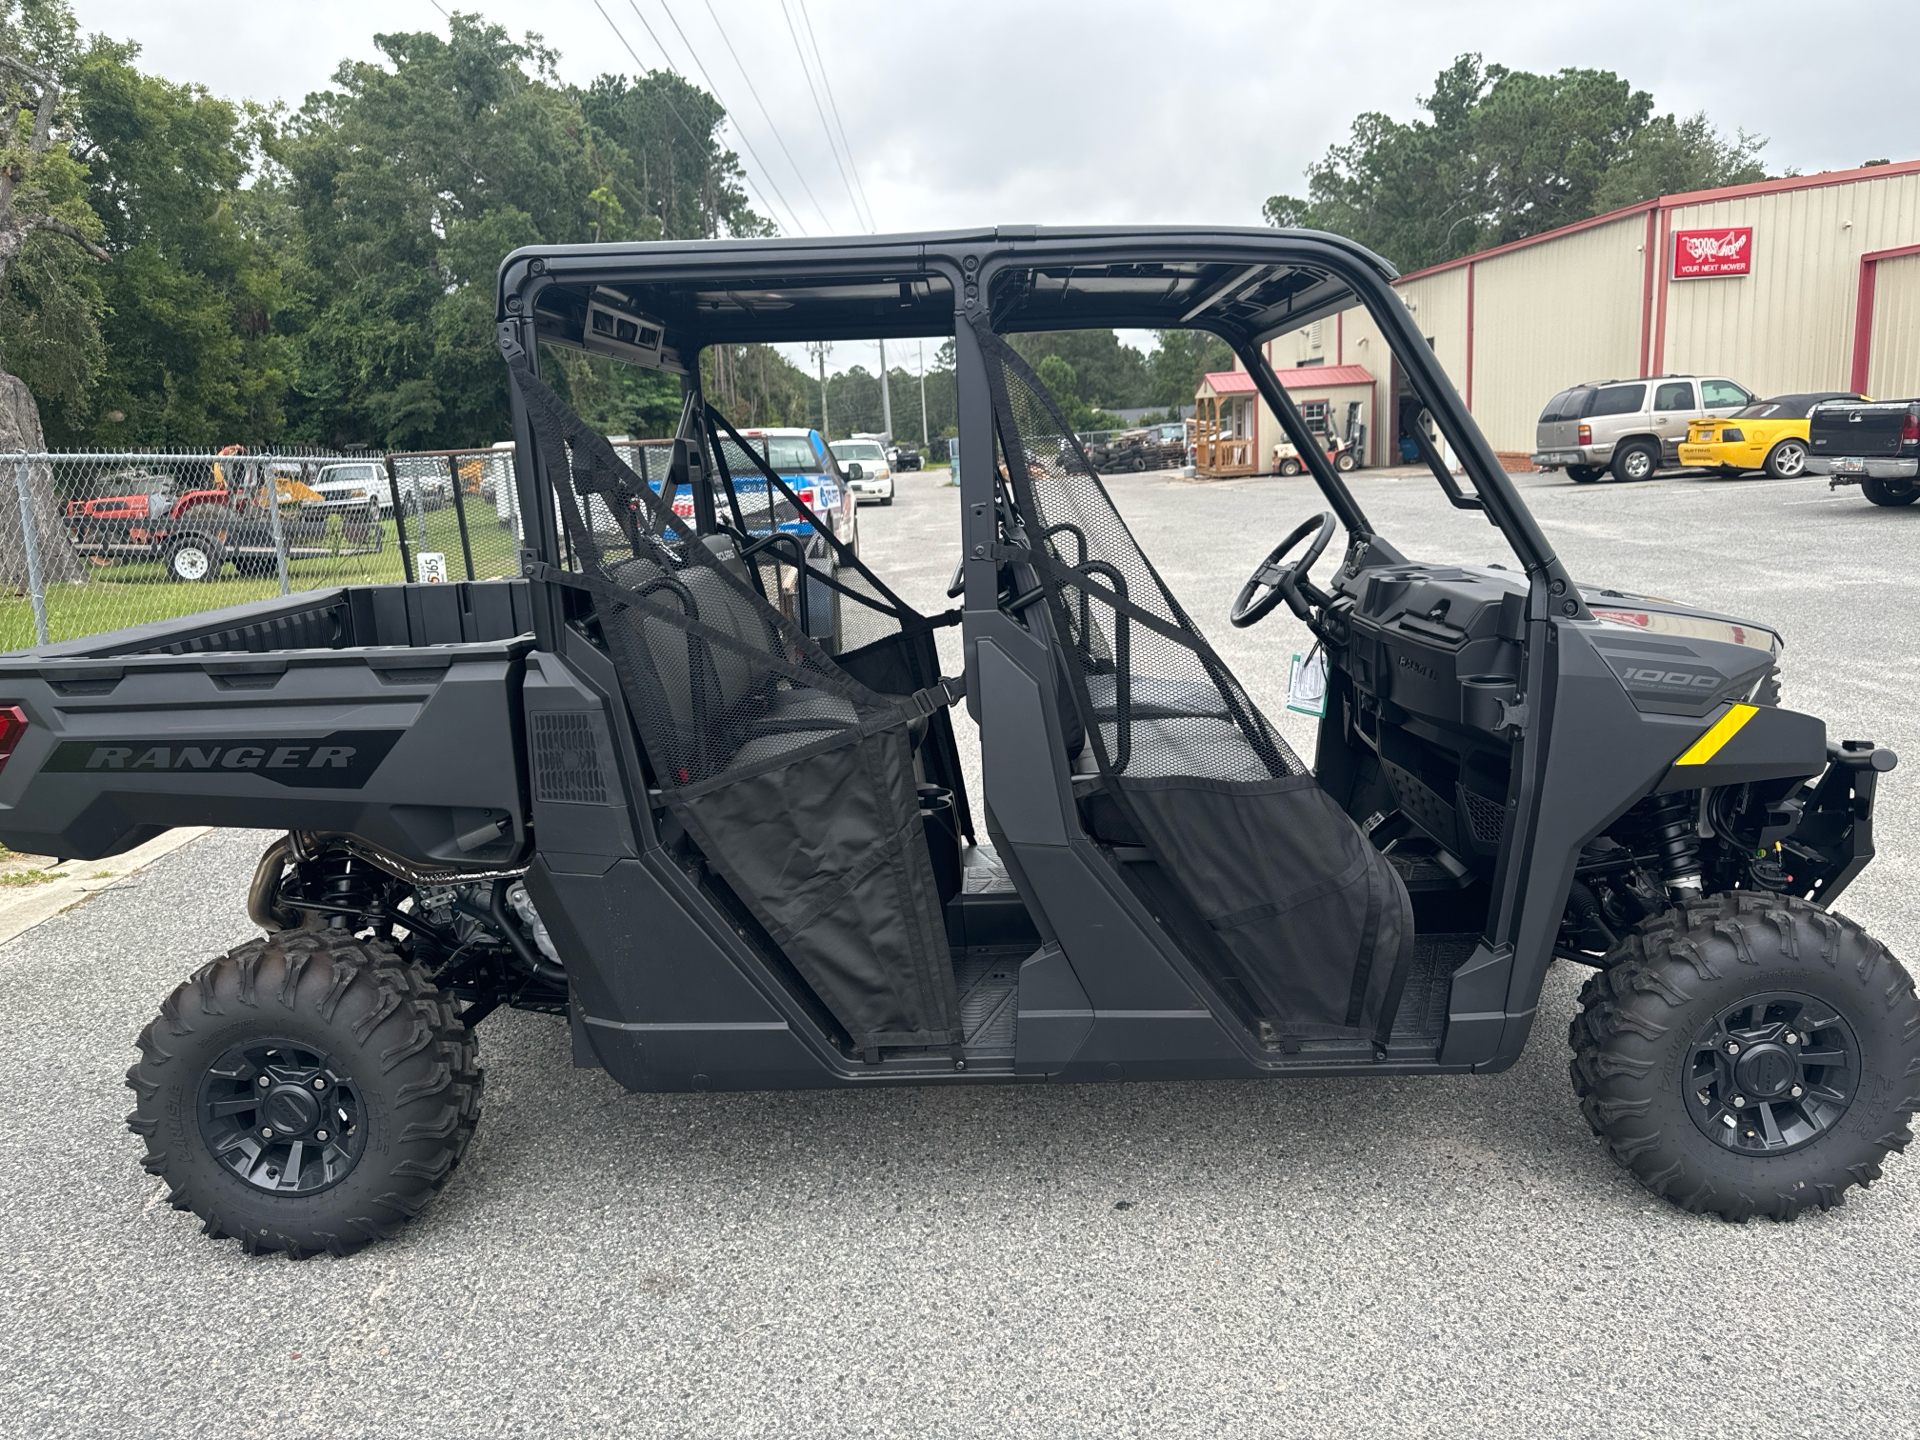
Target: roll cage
(660, 304)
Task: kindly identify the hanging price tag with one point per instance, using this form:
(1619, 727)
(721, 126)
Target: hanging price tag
(1307, 684)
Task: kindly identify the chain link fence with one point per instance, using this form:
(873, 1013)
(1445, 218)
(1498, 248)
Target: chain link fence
(97, 542)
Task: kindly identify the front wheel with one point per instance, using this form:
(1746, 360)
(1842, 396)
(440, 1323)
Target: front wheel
(305, 1092)
(1787, 460)
(1891, 492)
(1749, 1054)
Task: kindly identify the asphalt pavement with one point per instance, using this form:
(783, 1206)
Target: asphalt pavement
(1299, 1258)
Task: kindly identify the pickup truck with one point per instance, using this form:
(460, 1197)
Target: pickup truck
(1872, 444)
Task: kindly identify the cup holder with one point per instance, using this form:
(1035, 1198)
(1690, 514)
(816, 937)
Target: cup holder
(1486, 699)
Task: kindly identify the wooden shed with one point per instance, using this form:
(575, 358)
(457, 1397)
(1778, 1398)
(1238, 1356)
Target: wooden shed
(1235, 433)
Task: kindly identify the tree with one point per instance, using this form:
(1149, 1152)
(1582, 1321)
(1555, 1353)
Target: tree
(412, 179)
(658, 137)
(1180, 359)
(44, 221)
(1503, 155)
(1105, 372)
(190, 356)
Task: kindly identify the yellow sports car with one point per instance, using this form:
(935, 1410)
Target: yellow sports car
(1768, 435)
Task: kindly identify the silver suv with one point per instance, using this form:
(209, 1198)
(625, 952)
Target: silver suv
(1631, 427)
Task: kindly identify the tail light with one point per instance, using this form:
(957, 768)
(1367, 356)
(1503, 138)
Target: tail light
(1731, 433)
(1910, 432)
(13, 729)
(1586, 434)
(805, 495)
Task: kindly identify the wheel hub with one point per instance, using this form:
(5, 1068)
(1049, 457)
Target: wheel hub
(1771, 1073)
(1766, 1071)
(282, 1116)
(290, 1110)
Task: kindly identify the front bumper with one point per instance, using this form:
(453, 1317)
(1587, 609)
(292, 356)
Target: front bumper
(1872, 468)
(879, 489)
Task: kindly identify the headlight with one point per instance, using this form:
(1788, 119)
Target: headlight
(883, 473)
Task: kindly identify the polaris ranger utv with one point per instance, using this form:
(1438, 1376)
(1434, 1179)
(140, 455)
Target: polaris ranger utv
(629, 790)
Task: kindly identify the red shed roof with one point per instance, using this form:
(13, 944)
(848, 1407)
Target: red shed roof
(1302, 377)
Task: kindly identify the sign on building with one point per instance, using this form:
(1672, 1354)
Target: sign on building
(1703, 254)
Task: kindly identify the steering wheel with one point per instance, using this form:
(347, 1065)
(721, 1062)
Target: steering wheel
(1282, 579)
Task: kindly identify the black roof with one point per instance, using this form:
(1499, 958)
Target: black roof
(1797, 406)
(1255, 282)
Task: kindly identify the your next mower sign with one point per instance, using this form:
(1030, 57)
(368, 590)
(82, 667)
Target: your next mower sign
(1702, 254)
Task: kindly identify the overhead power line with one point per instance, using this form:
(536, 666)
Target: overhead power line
(739, 129)
(801, 51)
(754, 90)
(827, 80)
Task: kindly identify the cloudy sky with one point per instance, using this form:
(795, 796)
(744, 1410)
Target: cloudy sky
(967, 112)
(962, 112)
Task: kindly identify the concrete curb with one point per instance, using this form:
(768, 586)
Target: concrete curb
(21, 911)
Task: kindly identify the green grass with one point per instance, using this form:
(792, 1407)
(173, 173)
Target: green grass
(20, 879)
(114, 597)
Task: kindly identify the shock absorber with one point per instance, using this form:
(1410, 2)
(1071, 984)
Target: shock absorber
(1679, 845)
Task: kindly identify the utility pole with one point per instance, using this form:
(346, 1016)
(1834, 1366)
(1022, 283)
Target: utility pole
(820, 349)
(925, 443)
(886, 396)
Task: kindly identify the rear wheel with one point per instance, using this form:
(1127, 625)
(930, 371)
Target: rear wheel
(1748, 1055)
(1891, 492)
(1635, 460)
(1289, 467)
(1585, 474)
(193, 558)
(1345, 462)
(1787, 459)
(305, 1092)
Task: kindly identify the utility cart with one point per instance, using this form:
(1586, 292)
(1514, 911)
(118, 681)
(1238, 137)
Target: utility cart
(626, 789)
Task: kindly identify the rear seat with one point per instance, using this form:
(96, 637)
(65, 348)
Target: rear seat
(751, 708)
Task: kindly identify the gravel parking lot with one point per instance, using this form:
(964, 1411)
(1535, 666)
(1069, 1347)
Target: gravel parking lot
(1303, 1258)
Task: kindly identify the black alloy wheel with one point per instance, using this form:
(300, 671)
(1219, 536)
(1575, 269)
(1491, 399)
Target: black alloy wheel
(1749, 1054)
(306, 1092)
(1772, 1072)
(282, 1116)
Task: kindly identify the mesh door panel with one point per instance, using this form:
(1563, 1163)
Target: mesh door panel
(795, 780)
(1296, 903)
(1157, 700)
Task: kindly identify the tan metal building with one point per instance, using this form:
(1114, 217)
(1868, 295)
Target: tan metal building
(1806, 283)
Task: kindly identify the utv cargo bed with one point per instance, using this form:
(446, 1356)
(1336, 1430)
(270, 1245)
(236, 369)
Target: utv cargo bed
(225, 717)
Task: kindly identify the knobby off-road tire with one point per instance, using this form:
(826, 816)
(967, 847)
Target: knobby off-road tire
(360, 1063)
(1642, 1071)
